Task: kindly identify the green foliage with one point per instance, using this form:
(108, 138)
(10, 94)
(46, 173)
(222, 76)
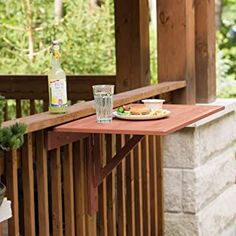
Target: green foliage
(153, 55)
(226, 61)
(10, 137)
(86, 35)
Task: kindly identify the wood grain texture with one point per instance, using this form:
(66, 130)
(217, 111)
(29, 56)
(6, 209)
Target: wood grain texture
(12, 192)
(153, 184)
(180, 117)
(111, 187)
(132, 44)
(176, 46)
(42, 181)
(36, 86)
(79, 110)
(138, 191)
(102, 227)
(91, 220)
(205, 50)
(160, 196)
(130, 194)
(93, 154)
(79, 187)
(28, 190)
(57, 220)
(121, 191)
(146, 187)
(68, 191)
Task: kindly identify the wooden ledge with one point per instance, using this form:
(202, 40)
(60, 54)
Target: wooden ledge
(80, 110)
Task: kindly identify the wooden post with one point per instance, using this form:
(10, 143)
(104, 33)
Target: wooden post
(205, 50)
(132, 44)
(176, 56)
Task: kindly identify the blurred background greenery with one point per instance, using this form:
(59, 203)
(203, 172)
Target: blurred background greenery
(226, 50)
(86, 30)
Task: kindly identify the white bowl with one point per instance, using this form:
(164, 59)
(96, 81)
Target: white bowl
(153, 104)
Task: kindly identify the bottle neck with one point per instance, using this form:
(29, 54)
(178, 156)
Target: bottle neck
(55, 63)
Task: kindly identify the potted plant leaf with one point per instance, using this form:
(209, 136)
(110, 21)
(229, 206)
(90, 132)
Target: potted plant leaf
(11, 138)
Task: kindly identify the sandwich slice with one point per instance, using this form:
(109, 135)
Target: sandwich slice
(139, 110)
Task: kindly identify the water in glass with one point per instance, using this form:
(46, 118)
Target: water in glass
(104, 106)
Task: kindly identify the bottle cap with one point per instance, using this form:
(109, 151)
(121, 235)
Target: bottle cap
(55, 49)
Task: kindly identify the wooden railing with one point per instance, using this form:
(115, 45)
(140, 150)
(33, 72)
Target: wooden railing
(48, 190)
(28, 94)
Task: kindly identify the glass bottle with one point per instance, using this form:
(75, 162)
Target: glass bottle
(57, 83)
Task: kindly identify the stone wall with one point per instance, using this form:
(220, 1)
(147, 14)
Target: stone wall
(199, 178)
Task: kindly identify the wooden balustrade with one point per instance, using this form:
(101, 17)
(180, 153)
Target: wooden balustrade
(48, 188)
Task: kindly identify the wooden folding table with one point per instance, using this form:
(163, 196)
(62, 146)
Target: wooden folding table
(180, 117)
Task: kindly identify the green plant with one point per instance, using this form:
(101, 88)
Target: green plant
(226, 51)
(11, 137)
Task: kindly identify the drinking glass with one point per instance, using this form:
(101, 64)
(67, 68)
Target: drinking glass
(103, 98)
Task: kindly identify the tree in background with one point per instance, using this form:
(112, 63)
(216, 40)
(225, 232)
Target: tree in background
(226, 61)
(29, 26)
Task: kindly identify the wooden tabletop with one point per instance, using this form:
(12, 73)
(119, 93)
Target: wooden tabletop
(180, 117)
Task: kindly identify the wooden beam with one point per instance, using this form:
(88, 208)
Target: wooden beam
(132, 44)
(36, 86)
(176, 56)
(205, 50)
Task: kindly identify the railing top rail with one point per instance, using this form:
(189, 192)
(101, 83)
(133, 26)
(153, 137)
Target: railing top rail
(45, 120)
(36, 86)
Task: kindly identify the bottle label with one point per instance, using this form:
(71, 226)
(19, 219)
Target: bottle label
(58, 92)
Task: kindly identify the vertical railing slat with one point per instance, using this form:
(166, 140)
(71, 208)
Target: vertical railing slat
(42, 181)
(12, 192)
(45, 105)
(57, 220)
(121, 191)
(32, 107)
(159, 170)
(18, 108)
(102, 227)
(68, 191)
(111, 194)
(130, 195)
(138, 191)
(28, 189)
(79, 188)
(153, 185)
(146, 187)
(91, 221)
(5, 110)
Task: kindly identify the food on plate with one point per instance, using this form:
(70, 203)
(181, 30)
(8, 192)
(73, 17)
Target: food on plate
(158, 112)
(139, 110)
(123, 110)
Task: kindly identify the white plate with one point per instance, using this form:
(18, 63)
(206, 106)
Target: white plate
(141, 117)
